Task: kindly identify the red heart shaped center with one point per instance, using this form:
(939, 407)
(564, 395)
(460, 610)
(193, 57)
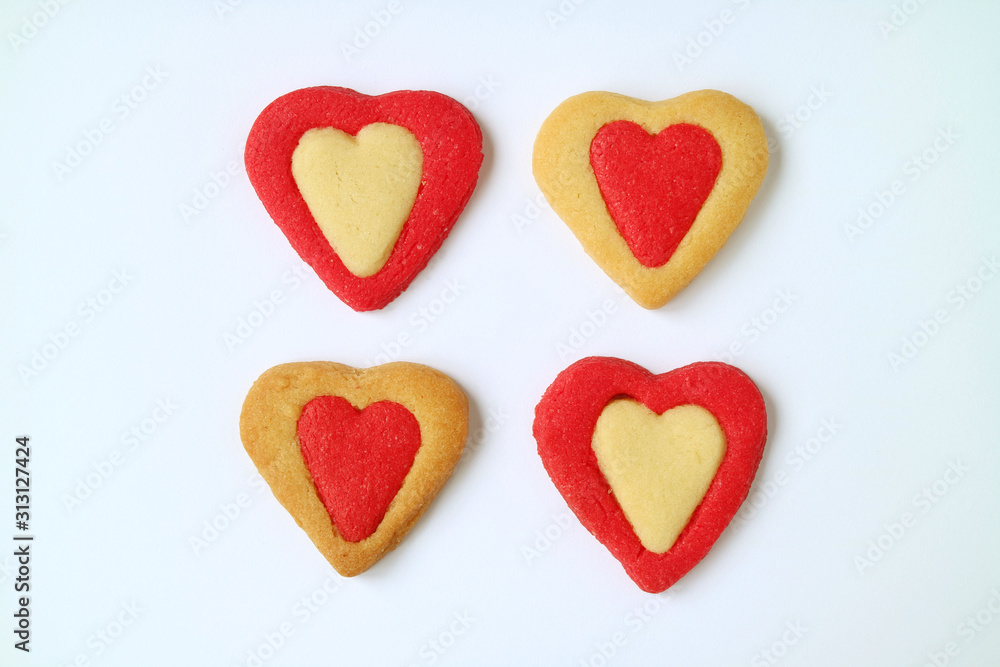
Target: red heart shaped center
(358, 459)
(654, 185)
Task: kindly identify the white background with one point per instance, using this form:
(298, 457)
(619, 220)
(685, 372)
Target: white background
(877, 101)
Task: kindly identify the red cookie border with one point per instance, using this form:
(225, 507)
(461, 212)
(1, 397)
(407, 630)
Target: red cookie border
(451, 142)
(564, 424)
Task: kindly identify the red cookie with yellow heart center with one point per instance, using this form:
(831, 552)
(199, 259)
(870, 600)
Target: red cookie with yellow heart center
(652, 190)
(654, 466)
(365, 188)
(354, 455)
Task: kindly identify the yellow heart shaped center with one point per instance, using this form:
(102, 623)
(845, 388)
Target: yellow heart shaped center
(658, 466)
(359, 189)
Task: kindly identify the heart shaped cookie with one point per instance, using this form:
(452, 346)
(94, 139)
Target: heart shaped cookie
(365, 188)
(354, 455)
(651, 190)
(654, 466)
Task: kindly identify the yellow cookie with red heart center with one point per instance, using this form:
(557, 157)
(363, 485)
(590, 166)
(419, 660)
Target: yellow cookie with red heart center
(354, 455)
(652, 190)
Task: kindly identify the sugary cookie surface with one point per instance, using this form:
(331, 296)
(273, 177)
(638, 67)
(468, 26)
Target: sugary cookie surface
(654, 466)
(651, 190)
(658, 466)
(354, 455)
(365, 188)
(360, 189)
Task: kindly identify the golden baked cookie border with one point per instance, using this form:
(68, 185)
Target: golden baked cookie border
(268, 429)
(562, 169)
